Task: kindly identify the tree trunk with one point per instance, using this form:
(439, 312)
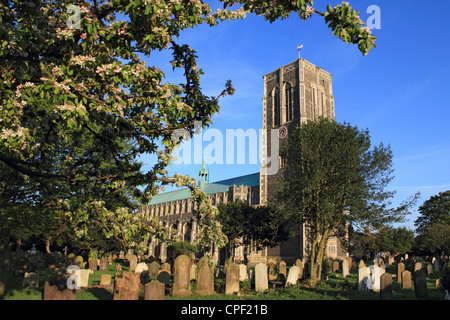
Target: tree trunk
(47, 245)
(317, 254)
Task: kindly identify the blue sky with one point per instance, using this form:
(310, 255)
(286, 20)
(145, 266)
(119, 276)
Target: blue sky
(400, 91)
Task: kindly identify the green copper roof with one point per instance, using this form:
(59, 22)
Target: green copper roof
(249, 180)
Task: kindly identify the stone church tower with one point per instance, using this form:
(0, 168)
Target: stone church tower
(293, 94)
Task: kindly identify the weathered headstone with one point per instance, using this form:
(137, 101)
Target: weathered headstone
(163, 277)
(273, 272)
(84, 277)
(141, 267)
(292, 276)
(165, 267)
(335, 265)
(420, 285)
(375, 278)
(154, 290)
(56, 287)
(417, 266)
(261, 279)
(104, 264)
(430, 270)
(133, 262)
(193, 272)
(153, 269)
(345, 268)
(436, 266)
(182, 284)
(282, 269)
(93, 263)
(406, 279)
(232, 278)
(386, 287)
(400, 269)
(205, 277)
(126, 286)
(243, 275)
(364, 278)
(105, 280)
(299, 264)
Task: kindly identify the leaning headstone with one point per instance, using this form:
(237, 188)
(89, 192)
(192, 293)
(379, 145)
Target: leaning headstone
(406, 279)
(205, 277)
(400, 269)
(232, 278)
(31, 280)
(182, 284)
(261, 279)
(126, 286)
(292, 276)
(364, 279)
(420, 285)
(133, 262)
(154, 290)
(386, 287)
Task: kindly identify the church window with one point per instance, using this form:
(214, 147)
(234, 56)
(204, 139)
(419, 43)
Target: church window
(276, 107)
(289, 102)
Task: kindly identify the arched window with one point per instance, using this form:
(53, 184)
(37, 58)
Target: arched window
(289, 110)
(276, 107)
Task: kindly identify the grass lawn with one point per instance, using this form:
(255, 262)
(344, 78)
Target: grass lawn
(335, 288)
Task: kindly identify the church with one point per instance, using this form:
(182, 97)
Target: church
(293, 94)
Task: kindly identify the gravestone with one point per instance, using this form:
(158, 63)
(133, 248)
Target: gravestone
(420, 285)
(133, 262)
(430, 270)
(84, 277)
(400, 269)
(126, 286)
(282, 269)
(417, 266)
(104, 264)
(93, 263)
(364, 278)
(31, 280)
(361, 264)
(154, 290)
(105, 280)
(406, 279)
(205, 277)
(243, 275)
(292, 276)
(182, 283)
(386, 287)
(436, 266)
(232, 278)
(335, 265)
(273, 273)
(141, 267)
(153, 269)
(345, 268)
(55, 287)
(261, 279)
(375, 272)
(163, 277)
(165, 267)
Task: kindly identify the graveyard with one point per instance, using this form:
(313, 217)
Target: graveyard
(48, 277)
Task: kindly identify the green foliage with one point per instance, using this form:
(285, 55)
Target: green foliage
(79, 105)
(445, 278)
(182, 247)
(435, 210)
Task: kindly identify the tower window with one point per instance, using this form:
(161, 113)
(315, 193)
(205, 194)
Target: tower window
(289, 102)
(276, 107)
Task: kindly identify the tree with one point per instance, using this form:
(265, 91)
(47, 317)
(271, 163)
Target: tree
(435, 239)
(247, 225)
(79, 104)
(395, 240)
(434, 210)
(333, 177)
